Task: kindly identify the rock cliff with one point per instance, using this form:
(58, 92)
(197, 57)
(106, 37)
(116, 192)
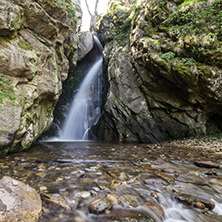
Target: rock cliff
(38, 44)
(164, 61)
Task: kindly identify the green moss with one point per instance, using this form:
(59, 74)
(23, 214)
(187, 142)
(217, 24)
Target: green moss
(183, 71)
(164, 64)
(11, 96)
(25, 45)
(6, 91)
(187, 2)
(4, 80)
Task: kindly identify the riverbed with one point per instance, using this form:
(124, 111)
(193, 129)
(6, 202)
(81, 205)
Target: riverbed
(176, 181)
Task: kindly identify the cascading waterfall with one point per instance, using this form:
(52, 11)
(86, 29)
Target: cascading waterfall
(85, 108)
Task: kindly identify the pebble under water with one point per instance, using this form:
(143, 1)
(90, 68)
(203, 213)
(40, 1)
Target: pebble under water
(87, 182)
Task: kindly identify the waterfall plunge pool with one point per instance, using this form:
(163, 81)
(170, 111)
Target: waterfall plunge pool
(120, 182)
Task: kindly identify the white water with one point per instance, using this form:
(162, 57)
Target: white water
(174, 212)
(84, 110)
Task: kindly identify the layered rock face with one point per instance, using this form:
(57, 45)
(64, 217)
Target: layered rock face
(164, 68)
(38, 43)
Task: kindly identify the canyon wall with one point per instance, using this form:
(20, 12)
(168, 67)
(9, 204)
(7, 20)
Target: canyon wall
(164, 62)
(38, 45)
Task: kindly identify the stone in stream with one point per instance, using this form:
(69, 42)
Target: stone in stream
(153, 209)
(191, 201)
(206, 164)
(18, 201)
(153, 180)
(55, 201)
(119, 214)
(99, 204)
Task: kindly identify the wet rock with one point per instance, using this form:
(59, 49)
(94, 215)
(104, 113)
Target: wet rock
(120, 214)
(208, 204)
(85, 44)
(129, 200)
(167, 177)
(185, 199)
(146, 165)
(199, 205)
(99, 204)
(55, 200)
(155, 210)
(153, 180)
(113, 198)
(189, 200)
(85, 194)
(207, 164)
(18, 201)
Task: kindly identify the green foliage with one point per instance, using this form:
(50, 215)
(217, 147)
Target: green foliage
(4, 83)
(196, 19)
(2, 95)
(126, 24)
(4, 80)
(121, 37)
(122, 19)
(187, 2)
(213, 133)
(168, 55)
(189, 61)
(11, 96)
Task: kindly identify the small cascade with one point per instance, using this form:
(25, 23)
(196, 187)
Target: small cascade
(85, 108)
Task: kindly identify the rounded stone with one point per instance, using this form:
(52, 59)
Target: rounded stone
(99, 204)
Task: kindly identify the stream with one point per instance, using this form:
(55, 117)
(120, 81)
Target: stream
(86, 181)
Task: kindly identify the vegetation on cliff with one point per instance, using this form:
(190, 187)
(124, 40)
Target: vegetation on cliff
(175, 52)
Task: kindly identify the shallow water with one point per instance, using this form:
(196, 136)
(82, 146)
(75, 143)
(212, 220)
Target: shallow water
(141, 180)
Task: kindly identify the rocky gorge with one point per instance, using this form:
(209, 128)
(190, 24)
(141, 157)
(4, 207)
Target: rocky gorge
(163, 64)
(162, 60)
(164, 69)
(38, 45)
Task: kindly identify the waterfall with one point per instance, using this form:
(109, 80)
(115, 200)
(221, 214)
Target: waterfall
(85, 108)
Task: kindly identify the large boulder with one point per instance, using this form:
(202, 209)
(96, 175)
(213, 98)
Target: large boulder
(85, 44)
(38, 45)
(18, 201)
(164, 68)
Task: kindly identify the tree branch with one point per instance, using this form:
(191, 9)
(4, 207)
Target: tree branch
(96, 7)
(88, 8)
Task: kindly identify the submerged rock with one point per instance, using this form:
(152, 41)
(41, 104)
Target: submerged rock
(18, 201)
(99, 204)
(207, 164)
(192, 201)
(155, 210)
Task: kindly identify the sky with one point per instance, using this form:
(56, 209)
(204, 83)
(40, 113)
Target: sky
(102, 7)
